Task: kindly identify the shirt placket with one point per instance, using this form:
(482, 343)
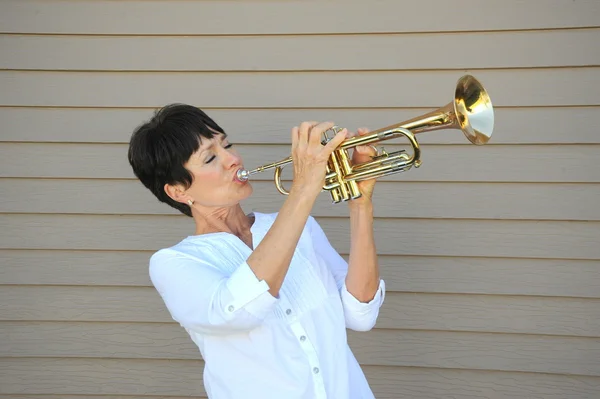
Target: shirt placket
(307, 347)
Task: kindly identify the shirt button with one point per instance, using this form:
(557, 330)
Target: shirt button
(230, 308)
(303, 338)
(316, 370)
(288, 311)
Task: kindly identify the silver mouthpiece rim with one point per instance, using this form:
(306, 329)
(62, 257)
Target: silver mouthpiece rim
(243, 174)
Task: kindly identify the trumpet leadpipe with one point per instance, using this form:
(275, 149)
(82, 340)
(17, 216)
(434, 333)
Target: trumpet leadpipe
(244, 174)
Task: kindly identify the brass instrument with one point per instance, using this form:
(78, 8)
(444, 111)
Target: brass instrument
(471, 111)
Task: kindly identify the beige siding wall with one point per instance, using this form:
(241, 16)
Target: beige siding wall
(491, 254)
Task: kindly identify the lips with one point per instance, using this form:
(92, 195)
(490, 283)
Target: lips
(235, 178)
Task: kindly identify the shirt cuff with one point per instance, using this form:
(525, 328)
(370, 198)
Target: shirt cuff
(356, 306)
(248, 293)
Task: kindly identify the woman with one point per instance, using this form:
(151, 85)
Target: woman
(265, 297)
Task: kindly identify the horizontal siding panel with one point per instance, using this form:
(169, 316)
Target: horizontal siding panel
(569, 125)
(125, 268)
(183, 378)
(524, 315)
(575, 356)
(499, 352)
(502, 276)
(461, 200)
(492, 238)
(465, 163)
(546, 277)
(476, 313)
(512, 87)
(158, 17)
(101, 377)
(281, 53)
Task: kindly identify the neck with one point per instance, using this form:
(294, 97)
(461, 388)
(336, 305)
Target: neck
(230, 220)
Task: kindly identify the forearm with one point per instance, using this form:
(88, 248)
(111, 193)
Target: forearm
(362, 279)
(271, 258)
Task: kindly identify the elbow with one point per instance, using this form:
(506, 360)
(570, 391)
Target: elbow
(361, 310)
(215, 324)
(364, 293)
(224, 315)
(362, 329)
(364, 297)
(361, 324)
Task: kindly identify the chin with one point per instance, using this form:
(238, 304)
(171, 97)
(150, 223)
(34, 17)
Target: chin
(246, 191)
(239, 194)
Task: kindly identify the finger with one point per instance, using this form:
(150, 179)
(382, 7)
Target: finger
(317, 131)
(352, 134)
(336, 141)
(304, 131)
(362, 131)
(295, 131)
(366, 150)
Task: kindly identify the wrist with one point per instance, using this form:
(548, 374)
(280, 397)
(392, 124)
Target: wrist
(361, 206)
(303, 195)
(305, 190)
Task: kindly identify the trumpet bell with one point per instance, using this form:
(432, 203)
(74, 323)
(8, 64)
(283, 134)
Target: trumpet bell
(473, 109)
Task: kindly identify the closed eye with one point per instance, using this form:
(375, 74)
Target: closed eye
(209, 160)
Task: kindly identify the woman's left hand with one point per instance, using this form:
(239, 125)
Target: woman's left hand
(360, 154)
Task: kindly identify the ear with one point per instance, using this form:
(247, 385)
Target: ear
(177, 193)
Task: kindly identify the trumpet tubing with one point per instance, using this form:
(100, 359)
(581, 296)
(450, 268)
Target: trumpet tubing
(470, 111)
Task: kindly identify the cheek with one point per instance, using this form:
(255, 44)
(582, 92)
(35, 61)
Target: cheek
(208, 184)
(205, 179)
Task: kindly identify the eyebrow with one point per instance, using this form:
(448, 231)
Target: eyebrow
(217, 134)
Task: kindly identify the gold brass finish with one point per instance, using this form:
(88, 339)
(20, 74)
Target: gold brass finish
(470, 111)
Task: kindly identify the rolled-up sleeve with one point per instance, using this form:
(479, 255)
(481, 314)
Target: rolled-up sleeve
(359, 316)
(204, 299)
(362, 316)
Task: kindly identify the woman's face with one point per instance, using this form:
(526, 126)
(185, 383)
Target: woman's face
(214, 167)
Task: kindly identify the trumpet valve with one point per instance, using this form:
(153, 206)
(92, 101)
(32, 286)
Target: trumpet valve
(326, 138)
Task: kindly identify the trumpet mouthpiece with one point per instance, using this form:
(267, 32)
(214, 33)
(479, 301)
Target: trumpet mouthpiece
(243, 175)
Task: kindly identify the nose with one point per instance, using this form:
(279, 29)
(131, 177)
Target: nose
(230, 158)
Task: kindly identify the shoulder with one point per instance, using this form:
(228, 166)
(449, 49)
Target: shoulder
(165, 258)
(185, 261)
(182, 253)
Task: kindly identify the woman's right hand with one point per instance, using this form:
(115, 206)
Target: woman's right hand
(310, 156)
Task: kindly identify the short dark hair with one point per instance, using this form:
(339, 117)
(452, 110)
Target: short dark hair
(160, 147)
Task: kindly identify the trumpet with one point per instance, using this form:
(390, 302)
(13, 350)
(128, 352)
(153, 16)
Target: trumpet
(470, 111)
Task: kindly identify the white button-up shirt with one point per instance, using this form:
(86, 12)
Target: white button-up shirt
(256, 345)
